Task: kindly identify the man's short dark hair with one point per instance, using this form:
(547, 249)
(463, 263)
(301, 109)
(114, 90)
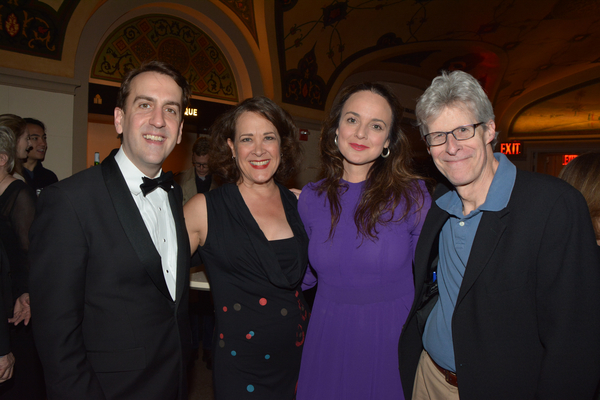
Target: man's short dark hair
(201, 146)
(33, 121)
(160, 67)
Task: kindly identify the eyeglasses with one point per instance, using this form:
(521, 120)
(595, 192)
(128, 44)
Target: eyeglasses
(461, 133)
(201, 165)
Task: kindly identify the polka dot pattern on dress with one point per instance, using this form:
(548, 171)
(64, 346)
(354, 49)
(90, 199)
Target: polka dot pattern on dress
(224, 309)
(284, 312)
(262, 302)
(250, 388)
(237, 306)
(233, 353)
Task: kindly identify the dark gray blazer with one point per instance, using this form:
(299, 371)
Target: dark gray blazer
(105, 324)
(527, 319)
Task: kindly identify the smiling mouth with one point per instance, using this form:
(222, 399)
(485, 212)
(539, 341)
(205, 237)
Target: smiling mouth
(260, 163)
(154, 138)
(358, 147)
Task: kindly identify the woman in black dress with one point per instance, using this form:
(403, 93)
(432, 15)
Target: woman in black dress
(254, 247)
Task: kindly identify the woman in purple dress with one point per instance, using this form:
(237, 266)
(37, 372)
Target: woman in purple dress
(363, 221)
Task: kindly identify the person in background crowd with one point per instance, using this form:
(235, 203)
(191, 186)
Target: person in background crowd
(110, 258)
(7, 359)
(193, 181)
(583, 173)
(254, 248)
(34, 172)
(363, 221)
(17, 209)
(18, 127)
(507, 301)
(197, 179)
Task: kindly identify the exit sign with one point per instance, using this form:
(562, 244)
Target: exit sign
(511, 148)
(568, 157)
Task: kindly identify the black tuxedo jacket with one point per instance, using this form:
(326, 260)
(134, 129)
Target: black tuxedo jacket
(105, 325)
(527, 318)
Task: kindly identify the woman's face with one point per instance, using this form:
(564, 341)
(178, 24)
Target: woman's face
(23, 145)
(256, 148)
(364, 130)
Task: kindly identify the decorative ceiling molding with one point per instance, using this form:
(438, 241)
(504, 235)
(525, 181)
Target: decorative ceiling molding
(35, 28)
(244, 9)
(170, 39)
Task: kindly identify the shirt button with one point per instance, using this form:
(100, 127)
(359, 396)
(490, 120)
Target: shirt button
(164, 240)
(462, 223)
(159, 209)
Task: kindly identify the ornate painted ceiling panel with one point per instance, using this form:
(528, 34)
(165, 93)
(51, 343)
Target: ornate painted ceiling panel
(575, 110)
(244, 9)
(511, 46)
(169, 39)
(34, 27)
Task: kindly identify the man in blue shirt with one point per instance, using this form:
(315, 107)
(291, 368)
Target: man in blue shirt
(507, 299)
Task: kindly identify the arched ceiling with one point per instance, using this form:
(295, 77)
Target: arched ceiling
(514, 47)
(524, 52)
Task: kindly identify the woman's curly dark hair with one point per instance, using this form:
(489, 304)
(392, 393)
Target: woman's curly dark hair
(390, 180)
(221, 161)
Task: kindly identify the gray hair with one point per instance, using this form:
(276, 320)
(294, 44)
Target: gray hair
(455, 89)
(8, 146)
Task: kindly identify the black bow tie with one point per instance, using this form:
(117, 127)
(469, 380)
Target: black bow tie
(165, 181)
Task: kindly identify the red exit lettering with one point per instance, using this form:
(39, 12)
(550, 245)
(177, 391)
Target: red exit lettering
(512, 148)
(568, 157)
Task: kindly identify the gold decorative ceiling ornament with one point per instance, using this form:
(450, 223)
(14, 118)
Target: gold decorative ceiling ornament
(173, 40)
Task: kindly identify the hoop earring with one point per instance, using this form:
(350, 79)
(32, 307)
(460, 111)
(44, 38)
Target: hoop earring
(335, 140)
(386, 155)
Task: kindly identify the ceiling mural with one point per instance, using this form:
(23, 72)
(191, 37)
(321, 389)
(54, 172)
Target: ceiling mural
(574, 111)
(169, 39)
(511, 46)
(35, 27)
(244, 9)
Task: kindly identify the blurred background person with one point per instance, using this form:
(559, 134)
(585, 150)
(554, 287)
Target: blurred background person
(254, 248)
(17, 209)
(18, 127)
(7, 359)
(198, 179)
(583, 173)
(36, 176)
(363, 220)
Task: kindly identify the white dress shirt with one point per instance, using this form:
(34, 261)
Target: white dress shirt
(156, 213)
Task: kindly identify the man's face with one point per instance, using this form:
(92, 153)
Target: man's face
(151, 122)
(465, 163)
(37, 139)
(200, 164)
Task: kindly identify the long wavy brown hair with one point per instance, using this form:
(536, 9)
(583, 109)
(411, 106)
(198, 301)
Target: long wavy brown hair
(221, 162)
(390, 180)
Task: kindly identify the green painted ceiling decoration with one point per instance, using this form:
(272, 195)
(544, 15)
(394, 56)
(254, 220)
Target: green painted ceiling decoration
(169, 39)
(34, 27)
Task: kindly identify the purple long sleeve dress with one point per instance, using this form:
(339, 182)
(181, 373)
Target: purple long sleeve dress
(364, 295)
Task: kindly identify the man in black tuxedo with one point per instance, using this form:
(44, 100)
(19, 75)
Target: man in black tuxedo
(109, 257)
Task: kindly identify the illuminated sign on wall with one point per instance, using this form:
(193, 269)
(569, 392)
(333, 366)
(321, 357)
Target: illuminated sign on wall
(511, 148)
(191, 112)
(568, 157)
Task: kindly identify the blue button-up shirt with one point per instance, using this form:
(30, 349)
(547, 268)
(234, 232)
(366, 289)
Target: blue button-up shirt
(455, 244)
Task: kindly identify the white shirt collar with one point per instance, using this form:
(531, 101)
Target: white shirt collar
(131, 173)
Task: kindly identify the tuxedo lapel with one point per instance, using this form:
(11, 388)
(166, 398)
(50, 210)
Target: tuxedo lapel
(488, 235)
(132, 222)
